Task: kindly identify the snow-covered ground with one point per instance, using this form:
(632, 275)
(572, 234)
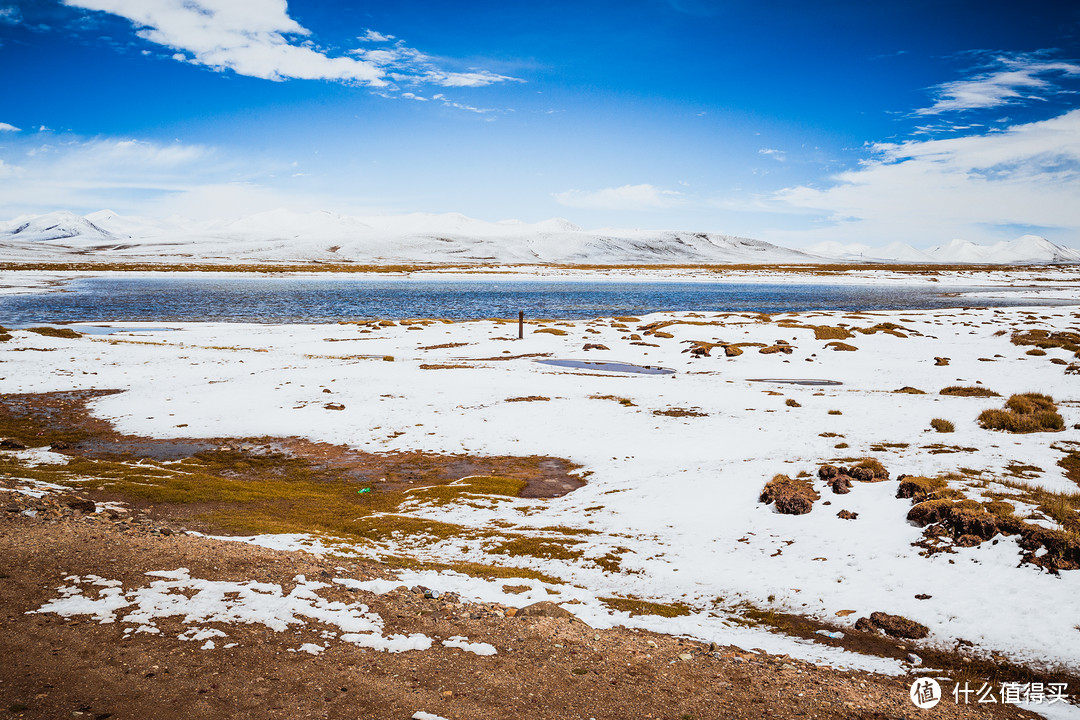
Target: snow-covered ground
(674, 498)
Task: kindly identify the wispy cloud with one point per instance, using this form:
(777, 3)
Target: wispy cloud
(932, 190)
(257, 38)
(8, 127)
(373, 36)
(1009, 80)
(44, 171)
(778, 155)
(627, 197)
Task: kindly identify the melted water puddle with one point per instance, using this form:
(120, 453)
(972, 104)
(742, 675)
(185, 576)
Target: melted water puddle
(607, 366)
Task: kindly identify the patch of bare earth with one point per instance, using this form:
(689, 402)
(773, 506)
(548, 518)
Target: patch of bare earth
(545, 667)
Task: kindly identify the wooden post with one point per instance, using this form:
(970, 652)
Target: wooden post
(521, 324)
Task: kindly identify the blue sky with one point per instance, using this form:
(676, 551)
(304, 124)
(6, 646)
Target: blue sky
(787, 121)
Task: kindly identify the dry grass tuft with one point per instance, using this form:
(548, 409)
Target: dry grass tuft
(644, 607)
(968, 391)
(920, 489)
(680, 412)
(550, 331)
(908, 390)
(942, 425)
(791, 497)
(625, 402)
(528, 398)
(1024, 413)
(829, 332)
(838, 346)
(1045, 339)
(67, 333)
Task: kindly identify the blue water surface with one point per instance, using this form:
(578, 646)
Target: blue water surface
(302, 300)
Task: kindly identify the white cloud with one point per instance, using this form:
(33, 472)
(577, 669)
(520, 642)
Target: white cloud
(778, 155)
(1014, 80)
(257, 38)
(627, 197)
(373, 36)
(934, 190)
(8, 127)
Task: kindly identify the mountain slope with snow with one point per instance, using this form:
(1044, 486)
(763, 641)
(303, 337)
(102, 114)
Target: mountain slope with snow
(325, 237)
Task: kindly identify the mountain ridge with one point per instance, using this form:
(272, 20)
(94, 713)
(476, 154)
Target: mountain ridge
(320, 236)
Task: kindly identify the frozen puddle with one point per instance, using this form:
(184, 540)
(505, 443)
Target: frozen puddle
(796, 381)
(604, 366)
(198, 602)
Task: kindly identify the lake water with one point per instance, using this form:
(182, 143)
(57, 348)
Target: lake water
(316, 300)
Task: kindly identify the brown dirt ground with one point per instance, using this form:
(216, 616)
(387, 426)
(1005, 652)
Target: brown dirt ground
(545, 667)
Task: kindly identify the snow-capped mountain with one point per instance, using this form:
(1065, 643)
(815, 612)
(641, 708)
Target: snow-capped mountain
(60, 225)
(287, 236)
(1029, 249)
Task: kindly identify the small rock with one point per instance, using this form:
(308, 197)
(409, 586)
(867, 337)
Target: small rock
(80, 504)
(544, 608)
(894, 625)
(914, 659)
(30, 513)
(847, 515)
(923, 596)
(686, 656)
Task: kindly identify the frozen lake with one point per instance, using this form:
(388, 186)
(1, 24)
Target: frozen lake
(317, 300)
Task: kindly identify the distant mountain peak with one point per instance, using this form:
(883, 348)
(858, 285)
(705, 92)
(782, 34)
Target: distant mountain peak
(59, 225)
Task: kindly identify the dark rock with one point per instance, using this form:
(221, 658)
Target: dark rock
(865, 625)
(11, 444)
(80, 504)
(899, 626)
(847, 515)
